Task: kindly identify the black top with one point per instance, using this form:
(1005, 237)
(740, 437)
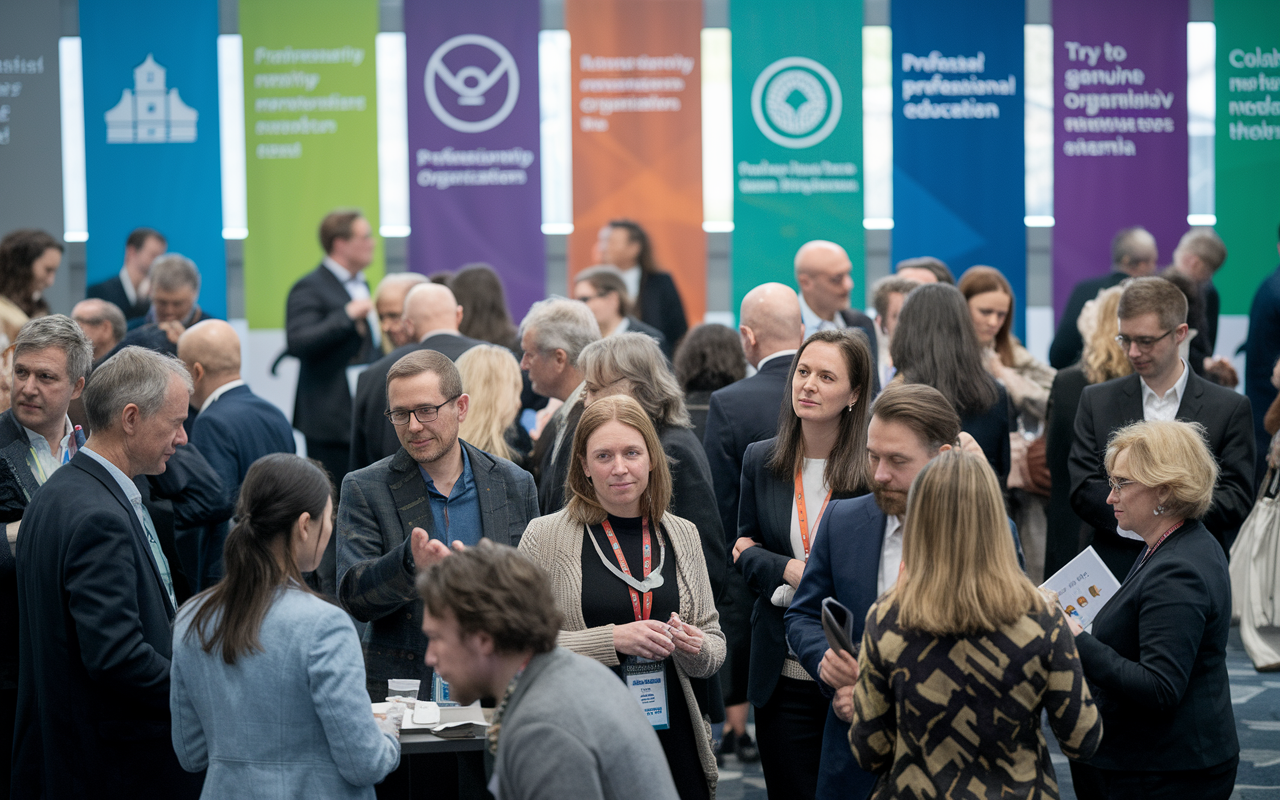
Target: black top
(658, 304)
(1062, 540)
(991, 429)
(1068, 344)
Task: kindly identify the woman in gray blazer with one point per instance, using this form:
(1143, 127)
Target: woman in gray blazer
(268, 687)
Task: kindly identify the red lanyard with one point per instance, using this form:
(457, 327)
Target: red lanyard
(800, 511)
(647, 551)
(1159, 542)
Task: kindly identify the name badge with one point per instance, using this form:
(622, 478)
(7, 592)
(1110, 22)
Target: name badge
(647, 681)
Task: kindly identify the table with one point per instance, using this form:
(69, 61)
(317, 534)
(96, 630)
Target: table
(420, 742)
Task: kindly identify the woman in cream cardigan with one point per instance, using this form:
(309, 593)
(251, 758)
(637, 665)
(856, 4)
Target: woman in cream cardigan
(634, 594)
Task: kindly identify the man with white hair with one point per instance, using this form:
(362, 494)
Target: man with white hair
(824, 275)
(175, 287)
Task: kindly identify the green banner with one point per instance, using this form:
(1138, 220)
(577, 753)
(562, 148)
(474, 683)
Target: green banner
(311, 137)
(797, 136)
(1247, 145)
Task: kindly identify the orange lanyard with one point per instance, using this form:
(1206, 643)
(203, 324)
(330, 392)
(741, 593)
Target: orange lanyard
(647, 551)
(801, 513)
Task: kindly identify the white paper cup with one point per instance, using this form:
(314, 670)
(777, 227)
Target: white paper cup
(404, 691)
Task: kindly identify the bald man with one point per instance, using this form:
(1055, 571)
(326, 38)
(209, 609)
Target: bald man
(102, 322)
(233, 427)
(824, 274)
(431, 319)
(389, 303)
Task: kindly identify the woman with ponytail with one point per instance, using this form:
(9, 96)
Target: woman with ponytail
(268, 684)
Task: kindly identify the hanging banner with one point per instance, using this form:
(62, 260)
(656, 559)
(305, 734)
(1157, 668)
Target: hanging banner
(1120, 123)
(637, 132)
(475, 186)
(958, 137)
(1247, 146)
(30, 119)
(152, 156)
(311, 138)
(797, 136)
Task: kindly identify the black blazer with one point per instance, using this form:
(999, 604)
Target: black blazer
(1108, 406)
(664, 344)
(236, 430)
(991, 429)
(319, 334)
(373, 437)
(552, 474)
(1062, 539)
(96, 643)
(741, 413)
(1156, 661)
(856, 319)
(112, 290)
(1067, 343)
(659, 305)
(693, 498)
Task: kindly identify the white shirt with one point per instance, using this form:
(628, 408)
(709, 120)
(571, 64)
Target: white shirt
(47, 460)
(631, 277)
(219, 392)
(127, 283)
(1164, 408)
(815, 493)
(814, 323)
(354, 284)
(622, 327)
(890, 555)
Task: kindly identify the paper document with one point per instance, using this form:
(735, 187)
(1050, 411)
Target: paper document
(1084, 586)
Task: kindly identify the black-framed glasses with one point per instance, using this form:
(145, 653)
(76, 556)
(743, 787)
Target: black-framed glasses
(1143, 342)
(424, 414)
(592, 297)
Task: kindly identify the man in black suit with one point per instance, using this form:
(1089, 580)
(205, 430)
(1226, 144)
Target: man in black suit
(823, 273)
(431, 319)
(552, 335)
(1153, 315)
(741, 413)
(130, 290)
(1133, 255)
(330, 326)
(96, 601)
(626, 245)
(1261, 351)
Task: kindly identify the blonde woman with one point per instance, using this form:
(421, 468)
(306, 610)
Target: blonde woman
(631, 583)
(964, 653)
(492, 378)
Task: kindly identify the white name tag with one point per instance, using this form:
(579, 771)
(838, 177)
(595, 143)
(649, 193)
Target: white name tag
(647, 681)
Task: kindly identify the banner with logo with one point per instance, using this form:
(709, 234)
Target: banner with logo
(152, 156)
(958, 137)
(475, 189)
(30, 119)
(637, 132)
(1120, 122)
(797, 136)
(311, 138)
(1247, 146)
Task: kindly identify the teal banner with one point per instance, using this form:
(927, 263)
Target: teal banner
(797, 136)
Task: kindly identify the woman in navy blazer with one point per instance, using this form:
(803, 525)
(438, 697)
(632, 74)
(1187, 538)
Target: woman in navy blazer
(1156, 659)
(268, 688)
(819, 454)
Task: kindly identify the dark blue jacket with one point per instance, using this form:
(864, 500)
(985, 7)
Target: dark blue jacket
(1260, 353)
(236, 430)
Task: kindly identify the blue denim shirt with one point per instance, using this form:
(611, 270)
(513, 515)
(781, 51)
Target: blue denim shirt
(456, 517)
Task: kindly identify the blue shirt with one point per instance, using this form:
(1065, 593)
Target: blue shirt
(456, 517)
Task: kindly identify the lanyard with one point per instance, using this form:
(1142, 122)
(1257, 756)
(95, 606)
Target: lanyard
(647, 551)
(801, 513)
(1160, 541)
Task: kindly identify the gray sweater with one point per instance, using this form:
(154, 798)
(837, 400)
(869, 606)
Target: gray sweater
(572, 729)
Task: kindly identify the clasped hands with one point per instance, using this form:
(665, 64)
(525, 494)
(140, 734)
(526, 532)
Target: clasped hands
(655, 640)
(839, 670)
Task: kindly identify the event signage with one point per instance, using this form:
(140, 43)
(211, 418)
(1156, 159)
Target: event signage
(1247, 146)
(152, 155)
(311, 138)
(958, 136)
(1120, 131)
(30, 119)
(637, 131)
(475, 187)
(797, 136)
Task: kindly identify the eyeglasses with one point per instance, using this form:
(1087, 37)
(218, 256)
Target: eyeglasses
(1117, 484)
(423, 414)
(1143, 342)
(589, 298)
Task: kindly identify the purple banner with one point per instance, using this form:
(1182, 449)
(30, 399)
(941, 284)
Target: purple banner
(475, 188)
(1120, 131)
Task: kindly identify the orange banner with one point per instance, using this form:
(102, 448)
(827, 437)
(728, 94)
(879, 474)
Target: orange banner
(637, 132)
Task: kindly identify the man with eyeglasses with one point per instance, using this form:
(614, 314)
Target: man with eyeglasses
(398, 515)
(824, 275)
(1153, 327)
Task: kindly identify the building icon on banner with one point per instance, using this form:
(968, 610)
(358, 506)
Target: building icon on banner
(149, 113)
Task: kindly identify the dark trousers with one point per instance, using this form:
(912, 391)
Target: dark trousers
(1212, 783)
(335, 457)
(789, 735)
(735, 622)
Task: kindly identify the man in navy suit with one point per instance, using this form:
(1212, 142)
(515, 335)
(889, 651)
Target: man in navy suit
(824, 275)
(96, 601)
(1261, 351)
(129, 290)
(233, 427)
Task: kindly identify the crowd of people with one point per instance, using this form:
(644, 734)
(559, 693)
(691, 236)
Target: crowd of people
(623, 536)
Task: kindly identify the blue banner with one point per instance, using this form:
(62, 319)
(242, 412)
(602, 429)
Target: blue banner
(151, 134)
(958, 153)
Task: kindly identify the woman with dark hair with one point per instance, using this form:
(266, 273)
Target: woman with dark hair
(29, 260)
(709, 358)
(268, 683)
(626, 245)
(485, 316)
(935, 344)
(819, 454)
(604, 291)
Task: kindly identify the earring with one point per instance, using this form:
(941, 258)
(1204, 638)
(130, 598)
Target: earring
(852, 404)
(1158, 511)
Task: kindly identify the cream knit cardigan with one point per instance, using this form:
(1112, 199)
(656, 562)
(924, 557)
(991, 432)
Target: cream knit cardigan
(554, 542)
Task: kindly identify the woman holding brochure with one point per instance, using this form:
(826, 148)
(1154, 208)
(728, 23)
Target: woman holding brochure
(820, 454)
(1157, 655)
(630, 580)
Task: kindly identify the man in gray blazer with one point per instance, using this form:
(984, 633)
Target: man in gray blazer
(395, 514)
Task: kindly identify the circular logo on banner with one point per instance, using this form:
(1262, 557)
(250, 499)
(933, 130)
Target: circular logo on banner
(471, 84)
(796, 102)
